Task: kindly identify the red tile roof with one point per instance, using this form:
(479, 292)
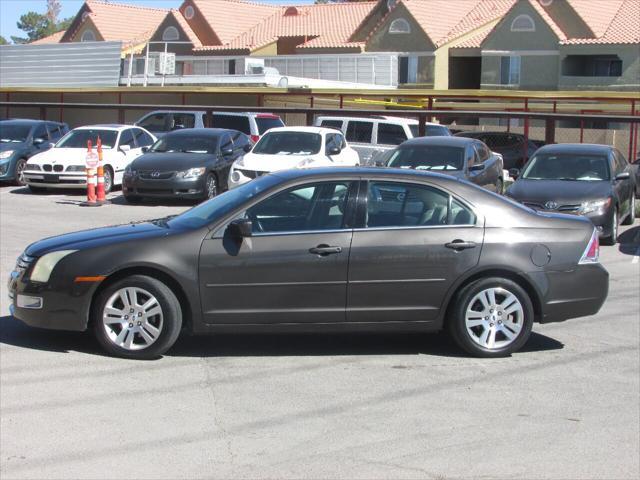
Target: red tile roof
(548, 19)
(617, 24)
(193, 38)
(54, 38)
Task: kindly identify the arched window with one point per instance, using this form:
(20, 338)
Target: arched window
(88, 36)
(189, 12)
(170, 34)
(399, 25)
(546, 3)
(523, 23)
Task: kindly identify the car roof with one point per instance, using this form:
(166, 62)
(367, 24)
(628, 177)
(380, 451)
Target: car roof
(106, 126)
(473, 133)
(207, 132)
(583, 148)
(441, 141)
(25, 121)
(360, 171)
(386, 118)
(319, 130)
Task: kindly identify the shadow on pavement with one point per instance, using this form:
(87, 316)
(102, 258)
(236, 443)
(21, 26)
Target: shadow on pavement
(15, 333)
(629, 241)
(154, 202)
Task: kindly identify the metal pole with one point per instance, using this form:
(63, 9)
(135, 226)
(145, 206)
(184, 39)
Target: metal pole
(130, 68)
(422, 120)
(146, 66)
(164, 70)
(632, 132)
(525, 144)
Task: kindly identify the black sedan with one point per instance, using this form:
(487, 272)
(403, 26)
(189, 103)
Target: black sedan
(460, 157)
(515, 148)
(189, 164)
(591, 180)
(343, 248)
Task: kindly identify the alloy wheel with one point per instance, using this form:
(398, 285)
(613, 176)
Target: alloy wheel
(494, 318)
(132, 318)
(212, 188)
(20, 167)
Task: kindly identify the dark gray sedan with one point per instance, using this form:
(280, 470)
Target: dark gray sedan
(460, 157)
(343, 249)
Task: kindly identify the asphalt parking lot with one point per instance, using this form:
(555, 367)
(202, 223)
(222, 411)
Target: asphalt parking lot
(323, 406)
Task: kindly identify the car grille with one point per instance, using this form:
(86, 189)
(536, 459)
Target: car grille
(564, 208)
(47, 168)
(155, 175)
(251, 173)
(58, 168)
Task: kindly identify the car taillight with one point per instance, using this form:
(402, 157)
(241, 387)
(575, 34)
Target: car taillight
(255, 138)
(592, 252)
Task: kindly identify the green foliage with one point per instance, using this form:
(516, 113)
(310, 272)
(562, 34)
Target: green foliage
(3, 41)
(38, 25)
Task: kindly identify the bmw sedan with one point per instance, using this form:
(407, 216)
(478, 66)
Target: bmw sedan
(591, 180)
(320, 249)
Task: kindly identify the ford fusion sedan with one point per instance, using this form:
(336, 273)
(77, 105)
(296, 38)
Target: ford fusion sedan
(460, 157)
(360, 249)
(64, 165)
(293, 147)
(591, 180)
(189, 164)
(22, 139)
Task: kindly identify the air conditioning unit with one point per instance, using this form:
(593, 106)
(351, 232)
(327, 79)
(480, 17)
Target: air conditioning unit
(254, 66)
(162, 63)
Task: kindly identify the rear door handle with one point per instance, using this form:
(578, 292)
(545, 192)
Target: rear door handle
(324, 250)
(460, 245)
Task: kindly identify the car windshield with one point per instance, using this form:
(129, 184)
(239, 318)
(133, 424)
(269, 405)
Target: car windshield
(217, 207)
(568, 166)
(186, 144)
(14, 133)
(433, 157)
(289, 143)
(430, 131)
(79, 138)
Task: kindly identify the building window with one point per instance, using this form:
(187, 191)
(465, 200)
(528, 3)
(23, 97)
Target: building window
(399, 25)
(170, 34)
(523, 23)
(408, 70)
(510, 70)
(592, 66)
(88, 36)
(189, 12)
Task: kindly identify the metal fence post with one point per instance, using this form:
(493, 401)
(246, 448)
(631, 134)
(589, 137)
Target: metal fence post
(550, 131)
(632, 129)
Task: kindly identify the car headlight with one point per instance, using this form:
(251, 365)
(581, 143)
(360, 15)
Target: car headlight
(595, 206)
(45, 265)
(32, 167)
(76, 168)
(6, 154)
(191, 173)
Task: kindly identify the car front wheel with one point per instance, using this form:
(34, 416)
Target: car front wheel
(632, 211)
(491, 317)
(20, 166)
(613, 228)
(137, 317)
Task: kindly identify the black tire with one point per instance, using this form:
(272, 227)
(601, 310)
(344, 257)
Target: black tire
(629, 219)
(108, 180)
(37, 189)
(613, 226)
(132, 199)
(19, 180)
(168, 331)
(210, 187)
(456, 322)
(499, 186)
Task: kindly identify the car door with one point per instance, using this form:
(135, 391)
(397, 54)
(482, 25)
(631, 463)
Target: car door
(411, 244)
(623, 188)
(142, 139)
(293, 269)
(125, 153)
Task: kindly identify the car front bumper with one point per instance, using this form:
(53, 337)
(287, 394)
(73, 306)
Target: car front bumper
(56, 180)
(192, 188)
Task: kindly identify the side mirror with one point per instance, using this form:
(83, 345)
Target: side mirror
(51, 144)
(125, 148)
(241, 228)
(38, 141)
(247, 148)
(333, 151)
(226, 152)
(623, 176)
(477, 167)
(145, 149)
(514, 173)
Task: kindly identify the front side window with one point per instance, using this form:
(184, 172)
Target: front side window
(390, 134)
(568, 166)
(155, 123)
(289, 143)
(79, 138)
(359, 131)
(142, 138)
(14, 133)
(311, 207)
(391, 204)
(186, 144)
(510, 70)
(432, 157)
(183, 120)
(41, 133)
(126, 138)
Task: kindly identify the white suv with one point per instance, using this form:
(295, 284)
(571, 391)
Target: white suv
(370, 136)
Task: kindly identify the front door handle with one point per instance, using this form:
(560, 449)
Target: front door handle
(458, 245)
(324, 250)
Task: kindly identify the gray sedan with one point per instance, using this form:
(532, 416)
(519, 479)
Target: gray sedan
(343, 248)
(460, 157)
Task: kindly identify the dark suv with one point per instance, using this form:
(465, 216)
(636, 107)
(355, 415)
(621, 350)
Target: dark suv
(510, 145)
(20, 140)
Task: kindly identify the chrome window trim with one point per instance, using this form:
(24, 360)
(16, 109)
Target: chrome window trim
(301, 232)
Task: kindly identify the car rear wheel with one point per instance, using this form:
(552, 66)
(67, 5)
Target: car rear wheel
(632, 212)
(613, 228)
(137, 317)
(491, 317)
(20, 166)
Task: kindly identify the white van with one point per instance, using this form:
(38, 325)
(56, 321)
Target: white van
(370, 136)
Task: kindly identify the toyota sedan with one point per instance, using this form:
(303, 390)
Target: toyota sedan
(359, 249)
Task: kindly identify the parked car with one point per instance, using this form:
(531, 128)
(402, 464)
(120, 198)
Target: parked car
(636, 170)
(293, 147)
(371, 136)
(22, 139)
(465, 158)
(64, 165)
(319, 249)
(160, 122)
(510, 145)
(591, 180)
(189, 164)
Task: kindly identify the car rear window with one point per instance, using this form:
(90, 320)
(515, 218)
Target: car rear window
(266, 122)
(433, 157)
(335, 124)
(232, 122)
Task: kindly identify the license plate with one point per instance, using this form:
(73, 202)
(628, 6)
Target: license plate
(51, 178)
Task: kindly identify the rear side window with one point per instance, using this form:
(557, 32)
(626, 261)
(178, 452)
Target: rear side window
(336, 124)
(389, 134)
(482, 151)
(155, 123)
(264, 123)
(359, 131)
(126, 138)
(240, 140)
(232, 122)
(183, 120)
(430, 131)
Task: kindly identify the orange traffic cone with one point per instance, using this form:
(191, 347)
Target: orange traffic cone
(91, 187)
(100, 190)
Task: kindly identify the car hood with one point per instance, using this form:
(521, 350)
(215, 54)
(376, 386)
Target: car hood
(562, 191)
(100, 236)
(66, 156)
(273, 163)
(171, 161)
(4, 146)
